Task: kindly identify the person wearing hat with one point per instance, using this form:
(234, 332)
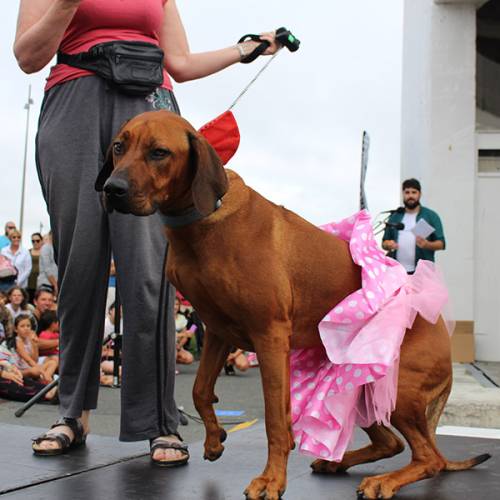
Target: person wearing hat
(401, 243)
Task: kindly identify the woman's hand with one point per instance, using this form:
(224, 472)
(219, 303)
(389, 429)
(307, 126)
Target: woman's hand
(11, 372)
(270, 36)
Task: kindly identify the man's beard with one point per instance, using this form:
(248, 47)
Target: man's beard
(411, 204)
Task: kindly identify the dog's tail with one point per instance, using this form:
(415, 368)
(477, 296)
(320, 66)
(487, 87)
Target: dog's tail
(467, 464)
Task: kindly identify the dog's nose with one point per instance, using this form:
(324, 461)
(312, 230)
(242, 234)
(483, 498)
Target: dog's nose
(116, 187)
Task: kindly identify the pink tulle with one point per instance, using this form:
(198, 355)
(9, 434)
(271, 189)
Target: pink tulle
(352, 379)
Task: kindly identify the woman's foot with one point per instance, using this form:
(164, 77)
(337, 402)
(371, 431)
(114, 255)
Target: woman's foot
(169, 451)
(64, 434)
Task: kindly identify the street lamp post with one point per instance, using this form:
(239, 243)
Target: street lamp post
(27, 108)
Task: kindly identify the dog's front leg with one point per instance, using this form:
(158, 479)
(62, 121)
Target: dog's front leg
(214, 354)
(273, 356)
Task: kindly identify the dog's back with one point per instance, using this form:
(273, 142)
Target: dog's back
(262, 261)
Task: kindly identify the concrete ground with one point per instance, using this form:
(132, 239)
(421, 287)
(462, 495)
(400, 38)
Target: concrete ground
(474, 400)
(470, 404)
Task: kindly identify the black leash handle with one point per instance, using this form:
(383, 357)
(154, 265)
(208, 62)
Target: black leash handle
(259, 50)
(283, 36)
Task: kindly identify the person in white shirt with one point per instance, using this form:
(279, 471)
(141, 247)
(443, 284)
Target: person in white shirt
(20, 258)
(403, 244)
(47, 274)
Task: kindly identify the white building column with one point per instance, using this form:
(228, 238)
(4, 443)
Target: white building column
(438, 129)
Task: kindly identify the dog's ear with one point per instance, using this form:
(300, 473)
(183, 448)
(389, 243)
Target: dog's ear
(106, 169)
(210, 180)
(107, 166)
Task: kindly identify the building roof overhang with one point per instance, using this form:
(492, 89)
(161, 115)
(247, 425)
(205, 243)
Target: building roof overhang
(477, 3)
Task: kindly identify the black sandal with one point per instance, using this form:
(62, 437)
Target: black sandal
(64, 441)
(164, 443)
(229, 369)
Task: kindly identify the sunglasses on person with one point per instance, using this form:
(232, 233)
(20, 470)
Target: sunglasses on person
(11, 227)
(36, 241)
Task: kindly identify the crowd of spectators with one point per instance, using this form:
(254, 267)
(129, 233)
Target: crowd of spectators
(29, 327)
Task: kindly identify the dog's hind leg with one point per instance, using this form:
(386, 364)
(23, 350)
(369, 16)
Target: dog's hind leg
(384, 444)
(214, 354)
(426, 461)
(434, 411)
(273, 353)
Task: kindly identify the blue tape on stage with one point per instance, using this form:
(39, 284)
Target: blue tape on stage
(229, 413)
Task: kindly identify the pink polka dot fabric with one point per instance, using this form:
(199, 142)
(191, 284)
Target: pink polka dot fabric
(352, 379)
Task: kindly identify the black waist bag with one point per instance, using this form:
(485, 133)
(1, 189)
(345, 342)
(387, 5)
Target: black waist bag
(134, 68)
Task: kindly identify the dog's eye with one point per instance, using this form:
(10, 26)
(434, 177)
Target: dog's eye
(159, 153)
(118, 148)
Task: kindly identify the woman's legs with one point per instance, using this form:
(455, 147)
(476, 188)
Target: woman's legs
(69, 153)
(74, 135)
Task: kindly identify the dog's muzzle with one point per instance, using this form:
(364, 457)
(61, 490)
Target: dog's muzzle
(116, 191)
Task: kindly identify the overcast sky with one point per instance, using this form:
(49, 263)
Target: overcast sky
(301, 123)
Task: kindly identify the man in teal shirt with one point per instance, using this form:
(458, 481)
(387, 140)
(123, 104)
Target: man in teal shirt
(399, 239)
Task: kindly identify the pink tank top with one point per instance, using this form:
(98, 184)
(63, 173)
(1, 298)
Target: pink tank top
(98, 21)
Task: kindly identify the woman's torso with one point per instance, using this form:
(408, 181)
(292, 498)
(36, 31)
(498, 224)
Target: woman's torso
(16, 311)
(35, 269)
(98, 21)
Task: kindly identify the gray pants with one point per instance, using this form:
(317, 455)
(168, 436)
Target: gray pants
(78, 120)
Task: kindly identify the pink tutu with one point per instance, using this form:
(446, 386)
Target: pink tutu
(352, 379)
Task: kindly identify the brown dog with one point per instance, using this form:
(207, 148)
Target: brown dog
(261, 279)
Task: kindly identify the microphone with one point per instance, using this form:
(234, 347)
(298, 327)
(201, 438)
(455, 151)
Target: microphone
(396, 225)
(399, 210)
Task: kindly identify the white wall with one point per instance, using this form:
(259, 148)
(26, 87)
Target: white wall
(487, 264)
(438, 130)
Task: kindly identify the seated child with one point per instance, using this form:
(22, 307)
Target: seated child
(107, 354)
(183, 356)
(49, 330)
(26, 345)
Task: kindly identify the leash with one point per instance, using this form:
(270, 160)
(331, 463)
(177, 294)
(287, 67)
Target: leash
(252, 81)
(222, 132)
(283, 36)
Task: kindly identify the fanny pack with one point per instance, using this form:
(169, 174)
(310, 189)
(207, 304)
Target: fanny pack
(134, 68)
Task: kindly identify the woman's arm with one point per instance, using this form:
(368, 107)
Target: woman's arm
(182, 65)
(40, 28)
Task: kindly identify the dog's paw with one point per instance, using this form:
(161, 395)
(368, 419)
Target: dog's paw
(213, 445)
(372, 488)
(213, 453)
(325, 467)
(264, 488)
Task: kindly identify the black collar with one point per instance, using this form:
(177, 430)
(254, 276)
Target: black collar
(185, 218)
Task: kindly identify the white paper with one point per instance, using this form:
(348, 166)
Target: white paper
(422, 228)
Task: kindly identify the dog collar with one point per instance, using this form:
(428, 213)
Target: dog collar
(189, 216)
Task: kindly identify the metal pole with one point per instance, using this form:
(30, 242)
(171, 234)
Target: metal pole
(27, 108)
(39, 395)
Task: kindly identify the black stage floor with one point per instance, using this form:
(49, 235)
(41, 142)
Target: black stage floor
(107, 469)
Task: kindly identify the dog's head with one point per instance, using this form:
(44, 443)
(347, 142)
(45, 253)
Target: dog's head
(158, 161)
